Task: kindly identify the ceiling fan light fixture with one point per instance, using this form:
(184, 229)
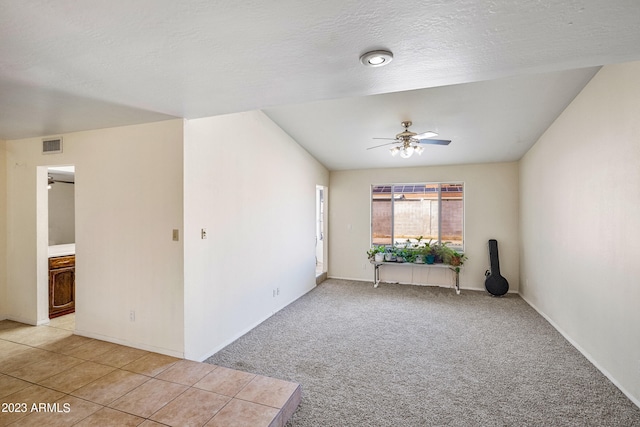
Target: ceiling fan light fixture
(406, 152)
(419, 149)
(394, 151)
(376, 58)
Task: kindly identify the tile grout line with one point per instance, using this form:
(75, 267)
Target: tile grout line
(67, 395)
(74, 357)
(100, 356)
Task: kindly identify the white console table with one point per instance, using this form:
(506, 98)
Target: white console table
(377, 265)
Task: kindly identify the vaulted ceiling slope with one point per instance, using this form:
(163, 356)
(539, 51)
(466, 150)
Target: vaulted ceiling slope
(68, 65)
(489, 121)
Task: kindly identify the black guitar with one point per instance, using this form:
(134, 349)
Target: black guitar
(494, 282)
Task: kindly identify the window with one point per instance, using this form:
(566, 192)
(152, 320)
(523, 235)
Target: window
(434, 211)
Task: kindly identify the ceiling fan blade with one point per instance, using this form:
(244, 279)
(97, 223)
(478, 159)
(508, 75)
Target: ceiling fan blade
(427, 134)
(435, 141)
(382, 145)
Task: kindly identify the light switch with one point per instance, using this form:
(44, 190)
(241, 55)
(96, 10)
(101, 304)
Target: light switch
(203, 233)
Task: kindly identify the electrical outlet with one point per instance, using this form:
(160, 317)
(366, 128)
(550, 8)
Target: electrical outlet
(176, 235)
(132, 316)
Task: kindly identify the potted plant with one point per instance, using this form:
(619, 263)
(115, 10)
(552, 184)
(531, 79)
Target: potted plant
(440, 251)
(430, 258)
(376, 253)
(404, 252)
(456, 258)
(390, 254)
(410, 255)
(371, 252)
(445, 253)
(423, 252)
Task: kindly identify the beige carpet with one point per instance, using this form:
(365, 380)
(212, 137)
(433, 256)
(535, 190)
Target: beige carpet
(424, 356)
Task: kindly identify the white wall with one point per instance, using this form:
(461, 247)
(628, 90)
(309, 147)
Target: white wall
(3, 230)
(491, 212)
(128, 200)
(580, 204)
(253, 188)
(62, 217)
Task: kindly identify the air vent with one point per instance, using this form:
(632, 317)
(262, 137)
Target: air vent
(52, 145)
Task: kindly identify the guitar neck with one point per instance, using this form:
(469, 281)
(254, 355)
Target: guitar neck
(493, 257)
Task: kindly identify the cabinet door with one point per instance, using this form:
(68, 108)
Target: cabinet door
(62, 291)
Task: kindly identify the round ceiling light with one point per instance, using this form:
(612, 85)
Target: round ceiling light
(376, 58)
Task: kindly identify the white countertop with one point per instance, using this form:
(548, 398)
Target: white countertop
(62, 250)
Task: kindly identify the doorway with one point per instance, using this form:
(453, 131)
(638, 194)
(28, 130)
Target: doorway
(321, 228)
(56, 243)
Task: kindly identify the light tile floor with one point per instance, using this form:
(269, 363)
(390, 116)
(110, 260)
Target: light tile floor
(49, 376)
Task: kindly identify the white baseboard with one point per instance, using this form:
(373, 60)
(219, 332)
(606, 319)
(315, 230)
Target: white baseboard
(202, 358)
(24, 320)
(584, 353)
(211, 352)
(359, 279)
(146, 347)
(463, 288)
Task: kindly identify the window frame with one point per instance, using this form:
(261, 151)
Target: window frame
(459, 248)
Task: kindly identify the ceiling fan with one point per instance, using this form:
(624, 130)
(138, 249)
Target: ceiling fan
(52, 180)
(409, 142)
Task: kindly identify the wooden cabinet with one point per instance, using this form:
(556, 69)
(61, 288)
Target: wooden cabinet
(62, 285)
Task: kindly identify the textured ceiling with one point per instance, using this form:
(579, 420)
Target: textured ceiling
(68, 65)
